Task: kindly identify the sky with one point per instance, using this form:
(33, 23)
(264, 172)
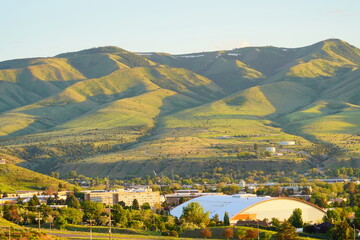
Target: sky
(43, 28)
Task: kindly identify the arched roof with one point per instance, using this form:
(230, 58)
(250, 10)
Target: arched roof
(233, 205)
(219, 204)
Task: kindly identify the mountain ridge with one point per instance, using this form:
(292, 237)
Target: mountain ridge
(119, 108)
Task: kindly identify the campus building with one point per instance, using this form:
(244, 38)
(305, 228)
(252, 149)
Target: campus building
(127, 196)
(246, 207)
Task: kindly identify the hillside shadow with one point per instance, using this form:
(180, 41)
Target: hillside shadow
(32, 91)
(55, 113)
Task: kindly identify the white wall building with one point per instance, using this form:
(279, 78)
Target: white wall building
(287, 143)
(245, 207)
(270, 149)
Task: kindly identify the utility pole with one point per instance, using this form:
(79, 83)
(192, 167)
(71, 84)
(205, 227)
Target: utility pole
(38, 219)
(354, 231)
(91, 221)
(110, 236)
(9, 233)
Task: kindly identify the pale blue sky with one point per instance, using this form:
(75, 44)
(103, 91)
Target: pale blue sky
(41, 28)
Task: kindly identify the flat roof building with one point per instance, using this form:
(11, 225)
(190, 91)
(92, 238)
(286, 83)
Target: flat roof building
(127, 196)
(245, 207)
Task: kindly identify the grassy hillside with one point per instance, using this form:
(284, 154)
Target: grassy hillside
(5, 223)
(14, 178)
(109, 112)
(134, 88)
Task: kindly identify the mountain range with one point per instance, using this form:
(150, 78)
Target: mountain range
(110, 112)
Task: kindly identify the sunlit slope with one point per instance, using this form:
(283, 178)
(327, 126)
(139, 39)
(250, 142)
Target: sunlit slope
(26, 81)
(329, 122)
(138, 111)
(228, 72)
(210, 131)
(97, 62)
(14, 178)
(241, 68)
(318, 65)
(345, 88)
(247, 111)
(93, 94)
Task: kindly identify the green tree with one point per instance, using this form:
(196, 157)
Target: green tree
(240, 233)
(146, 206)
(71, 215)
(231, 189)
(135, 204)
(296, 218)
(55, 175)
(342, 231)
(72, 174)
(286, 232)
(216, 219)
(265, 236)
(33, 202)
(331, 216)
(194, 213)
(93, 210)
(226, 219)
(357, 218)
(11, 213)
(121, 216)
(72, 201)
(275, 222)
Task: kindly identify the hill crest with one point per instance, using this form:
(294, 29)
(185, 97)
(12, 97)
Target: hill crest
(109, 109)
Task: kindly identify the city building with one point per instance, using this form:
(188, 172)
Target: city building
(145, 195)
(247, 207)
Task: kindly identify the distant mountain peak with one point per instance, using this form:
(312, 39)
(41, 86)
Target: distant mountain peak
(106, 49)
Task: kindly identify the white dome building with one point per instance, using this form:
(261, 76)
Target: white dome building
(245, 207)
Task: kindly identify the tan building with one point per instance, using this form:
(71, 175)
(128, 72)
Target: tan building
(127, 196)
(246, 207)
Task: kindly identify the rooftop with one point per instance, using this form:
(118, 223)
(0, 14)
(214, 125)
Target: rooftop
(219, 204)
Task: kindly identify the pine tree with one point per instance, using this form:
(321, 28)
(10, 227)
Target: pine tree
(135, 204)
(226, 219)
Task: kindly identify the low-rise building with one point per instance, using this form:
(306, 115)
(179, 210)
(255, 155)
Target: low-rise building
(287, 143)
(177, 197)
(112, 197)
(270, 149)
(249, 207)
